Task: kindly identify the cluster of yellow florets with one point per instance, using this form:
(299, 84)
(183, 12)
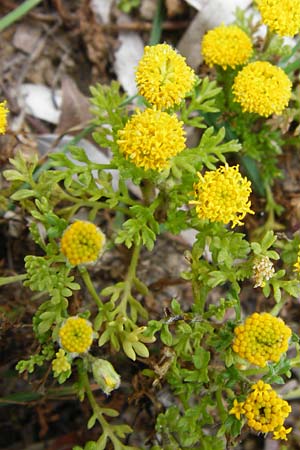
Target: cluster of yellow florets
(263, 270)
(82, 243)
(261, 338)
(222, 195)
(150, 138)
(265, 410)
(76, 335)
(60, 364)
(3, 117)
(226, 46)
(262, 88)
(281, 16)
(163, 77)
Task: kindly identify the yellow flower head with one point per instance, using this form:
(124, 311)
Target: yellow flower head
(3, 119)
(82, 243)
(261, 338)
(76, 335)
(163, 77)
(263, 270)
(265, 410)
(150, 138)
(226, 46)
(262, 88)
(281, 16)
(60, 364)
(222, 195)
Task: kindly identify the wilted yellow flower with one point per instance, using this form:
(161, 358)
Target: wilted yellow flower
(105, 375)
(76, 335)
(3, 117)
(151, 138)
(60, 364)
(261, 338)
(82, 243)
(265, 410)
(226, 46)
(163, 77)
(281, 433)
(281, 16)
(262, 88)
(263, 270)
(222, 195)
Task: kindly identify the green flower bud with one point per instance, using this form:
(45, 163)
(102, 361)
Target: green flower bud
(105, 375)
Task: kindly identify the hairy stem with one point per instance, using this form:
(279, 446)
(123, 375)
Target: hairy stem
(130, 278)
(89, 284)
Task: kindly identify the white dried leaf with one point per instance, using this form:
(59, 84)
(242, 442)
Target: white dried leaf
(126, 60)
(224, 10)
(102, 9)
(40, 102)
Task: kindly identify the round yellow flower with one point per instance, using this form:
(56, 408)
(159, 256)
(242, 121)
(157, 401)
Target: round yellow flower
(265, 410)
(163, 77)
(82, 243)
(76, 335)
(3, 117)
(222, 195)
(150, 138)
(281, 16)
(262, 88)
(226, 46)
(261, 338)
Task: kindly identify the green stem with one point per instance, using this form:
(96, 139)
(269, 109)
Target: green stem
(157, 24)
(88, 282)
(267, 40)
(200, 294)
(148, 191)
(97, 410)
(222, 411)
(130, 278)
(18, 13)
(295, 362)
(277, 308)
(251, 372)
(12, 279)
(95, 407)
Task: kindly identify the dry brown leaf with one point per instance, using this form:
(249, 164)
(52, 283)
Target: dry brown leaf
(96, 42)
(175, 8)
(75, 107)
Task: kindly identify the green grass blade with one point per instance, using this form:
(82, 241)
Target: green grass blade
(17, 13)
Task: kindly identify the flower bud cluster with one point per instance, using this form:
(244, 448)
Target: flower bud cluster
(263, 270)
